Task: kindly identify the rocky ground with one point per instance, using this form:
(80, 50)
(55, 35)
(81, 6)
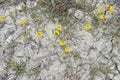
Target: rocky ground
(23, 56)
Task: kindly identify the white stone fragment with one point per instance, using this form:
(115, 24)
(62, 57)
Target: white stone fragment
(79, 14)
(9, 39)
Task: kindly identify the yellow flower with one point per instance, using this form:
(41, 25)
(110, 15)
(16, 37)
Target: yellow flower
(23, 36)
(107, 6)
(59, 27)
(64, 56)
(56, 33)
(39, 34)
(68, 49)
(111, 9)
(102, 16)
(100, 10)
(88, 27)
(24, 22)
(62, 43)
(3, 18)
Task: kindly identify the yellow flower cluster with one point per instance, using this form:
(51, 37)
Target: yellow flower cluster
(24, 22)
(57, 30)
(102, 15)
(108, 8)
(88, 26)
(39, 34)
(3, 18)
(68, 49)
(100, 11)
(62, 43)
(23, 36)
(64, 55)
(56, 33)
(111, 9)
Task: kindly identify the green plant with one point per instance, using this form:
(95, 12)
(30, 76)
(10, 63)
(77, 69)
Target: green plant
(2, 1)
(85, 6)
(57, 8)
(95, 21)
(18, 67)
(76, 55)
